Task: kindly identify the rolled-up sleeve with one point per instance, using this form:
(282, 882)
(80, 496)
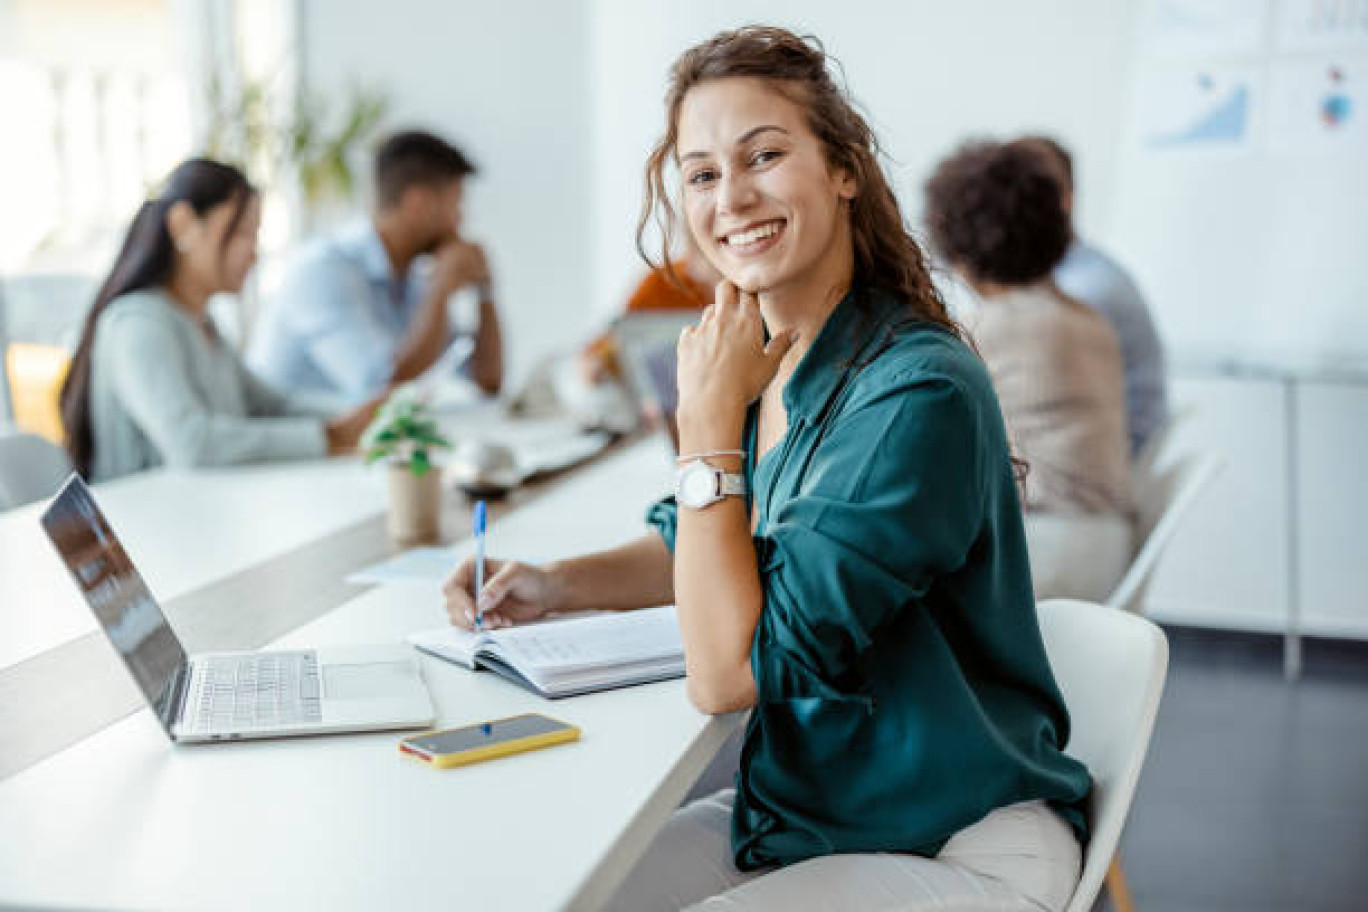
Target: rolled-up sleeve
(891, 501)
(663, 516)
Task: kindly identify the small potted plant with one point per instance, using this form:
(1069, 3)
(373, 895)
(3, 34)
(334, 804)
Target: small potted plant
(404, 434)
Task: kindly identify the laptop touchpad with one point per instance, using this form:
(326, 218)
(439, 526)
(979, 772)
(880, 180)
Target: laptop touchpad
(367, 681)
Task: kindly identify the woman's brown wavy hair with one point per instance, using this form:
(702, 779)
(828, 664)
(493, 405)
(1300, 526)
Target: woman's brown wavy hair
(887, 257)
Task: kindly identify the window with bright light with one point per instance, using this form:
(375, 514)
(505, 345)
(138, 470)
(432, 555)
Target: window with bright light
(98, 111)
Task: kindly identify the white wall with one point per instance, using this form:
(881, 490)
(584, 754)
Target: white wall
(929, 73)
(508, 82)
(1255, 250)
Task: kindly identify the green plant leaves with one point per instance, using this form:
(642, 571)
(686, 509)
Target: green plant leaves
(403, 432)
(254, 127)
(418, 463)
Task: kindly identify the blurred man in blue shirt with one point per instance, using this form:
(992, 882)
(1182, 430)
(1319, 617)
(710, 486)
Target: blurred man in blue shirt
(1089, 275)
(366, 308)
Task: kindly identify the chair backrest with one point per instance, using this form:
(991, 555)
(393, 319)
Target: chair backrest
(1110, 667)
(6, 408)
(40, 321)
(1163, 494)
(47, 308)
(1160, 442)
(31, 468)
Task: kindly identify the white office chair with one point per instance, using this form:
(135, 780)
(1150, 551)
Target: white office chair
(6, 406)
(31, 468)
(1163, 495)
(1158, 445)
(1110, 667)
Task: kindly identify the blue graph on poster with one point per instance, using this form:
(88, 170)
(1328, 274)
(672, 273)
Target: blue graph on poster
(1225, 122)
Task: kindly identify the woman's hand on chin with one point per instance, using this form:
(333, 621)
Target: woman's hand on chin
(724, 363)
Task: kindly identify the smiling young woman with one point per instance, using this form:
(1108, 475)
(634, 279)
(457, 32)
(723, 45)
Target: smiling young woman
(845, 547)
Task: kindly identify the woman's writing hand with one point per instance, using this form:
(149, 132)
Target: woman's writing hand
(514, 593)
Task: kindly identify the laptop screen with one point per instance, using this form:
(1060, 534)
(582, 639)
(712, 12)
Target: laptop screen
(117, 594)
(646, 343)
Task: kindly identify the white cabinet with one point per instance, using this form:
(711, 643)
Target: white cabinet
(1259, 526)
(1332, 481)
(1227, 565)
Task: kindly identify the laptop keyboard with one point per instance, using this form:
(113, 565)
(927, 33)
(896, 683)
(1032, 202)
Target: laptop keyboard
(252, 691)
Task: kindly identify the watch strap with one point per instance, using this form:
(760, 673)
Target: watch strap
(731, 484)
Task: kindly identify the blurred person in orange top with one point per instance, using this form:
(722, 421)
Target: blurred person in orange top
(691, 287)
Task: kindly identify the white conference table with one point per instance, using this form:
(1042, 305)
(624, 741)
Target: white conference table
(183, 530)
(123, 819)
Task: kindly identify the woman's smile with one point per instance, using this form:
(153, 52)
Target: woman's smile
(753, 239)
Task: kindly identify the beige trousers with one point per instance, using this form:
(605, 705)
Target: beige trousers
(1022, 858)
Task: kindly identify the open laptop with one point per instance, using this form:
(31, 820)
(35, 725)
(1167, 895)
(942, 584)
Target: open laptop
(646, 344)
(229, 695)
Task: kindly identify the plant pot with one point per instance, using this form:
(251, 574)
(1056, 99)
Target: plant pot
(415, 506)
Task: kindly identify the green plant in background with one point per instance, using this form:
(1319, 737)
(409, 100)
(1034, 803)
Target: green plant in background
(249, 129)
(322, 159)
(403, 433)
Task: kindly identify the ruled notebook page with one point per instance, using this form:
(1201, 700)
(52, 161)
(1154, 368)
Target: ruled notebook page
(642, 637)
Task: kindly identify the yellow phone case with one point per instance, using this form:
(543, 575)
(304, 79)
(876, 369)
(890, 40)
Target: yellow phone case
(491, 751)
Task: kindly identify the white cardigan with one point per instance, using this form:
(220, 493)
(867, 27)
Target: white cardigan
(163, 391)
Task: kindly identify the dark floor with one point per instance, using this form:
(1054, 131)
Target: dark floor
(1255, 793)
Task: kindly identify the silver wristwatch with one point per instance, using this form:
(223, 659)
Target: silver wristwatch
(698, 485)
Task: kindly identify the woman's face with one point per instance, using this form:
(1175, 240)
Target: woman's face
(220, 253)
(761, 203)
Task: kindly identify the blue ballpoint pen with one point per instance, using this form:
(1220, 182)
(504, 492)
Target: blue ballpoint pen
(479, 561)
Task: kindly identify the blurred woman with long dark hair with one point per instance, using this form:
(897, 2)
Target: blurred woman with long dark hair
(152, 381)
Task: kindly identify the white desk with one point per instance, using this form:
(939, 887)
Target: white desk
(124, 820)
(183, 530)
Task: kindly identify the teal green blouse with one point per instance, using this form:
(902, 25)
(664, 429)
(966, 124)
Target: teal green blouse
(902, 688)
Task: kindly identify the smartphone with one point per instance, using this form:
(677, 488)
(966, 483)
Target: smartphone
(487, 740)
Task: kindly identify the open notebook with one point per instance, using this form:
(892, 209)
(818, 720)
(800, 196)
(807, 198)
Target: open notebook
(573, 656)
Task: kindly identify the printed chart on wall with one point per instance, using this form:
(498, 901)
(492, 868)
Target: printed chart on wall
(1196, 109)
(1243, 205)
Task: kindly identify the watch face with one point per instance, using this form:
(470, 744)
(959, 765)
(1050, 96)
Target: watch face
(697, 485)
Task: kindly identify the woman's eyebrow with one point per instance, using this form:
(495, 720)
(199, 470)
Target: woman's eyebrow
(756, 131)
(741, 141)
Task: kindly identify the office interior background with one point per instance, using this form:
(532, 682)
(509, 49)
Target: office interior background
(1219, 155)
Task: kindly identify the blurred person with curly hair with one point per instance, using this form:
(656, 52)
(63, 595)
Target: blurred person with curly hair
(995, 213)
(1090, 275)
